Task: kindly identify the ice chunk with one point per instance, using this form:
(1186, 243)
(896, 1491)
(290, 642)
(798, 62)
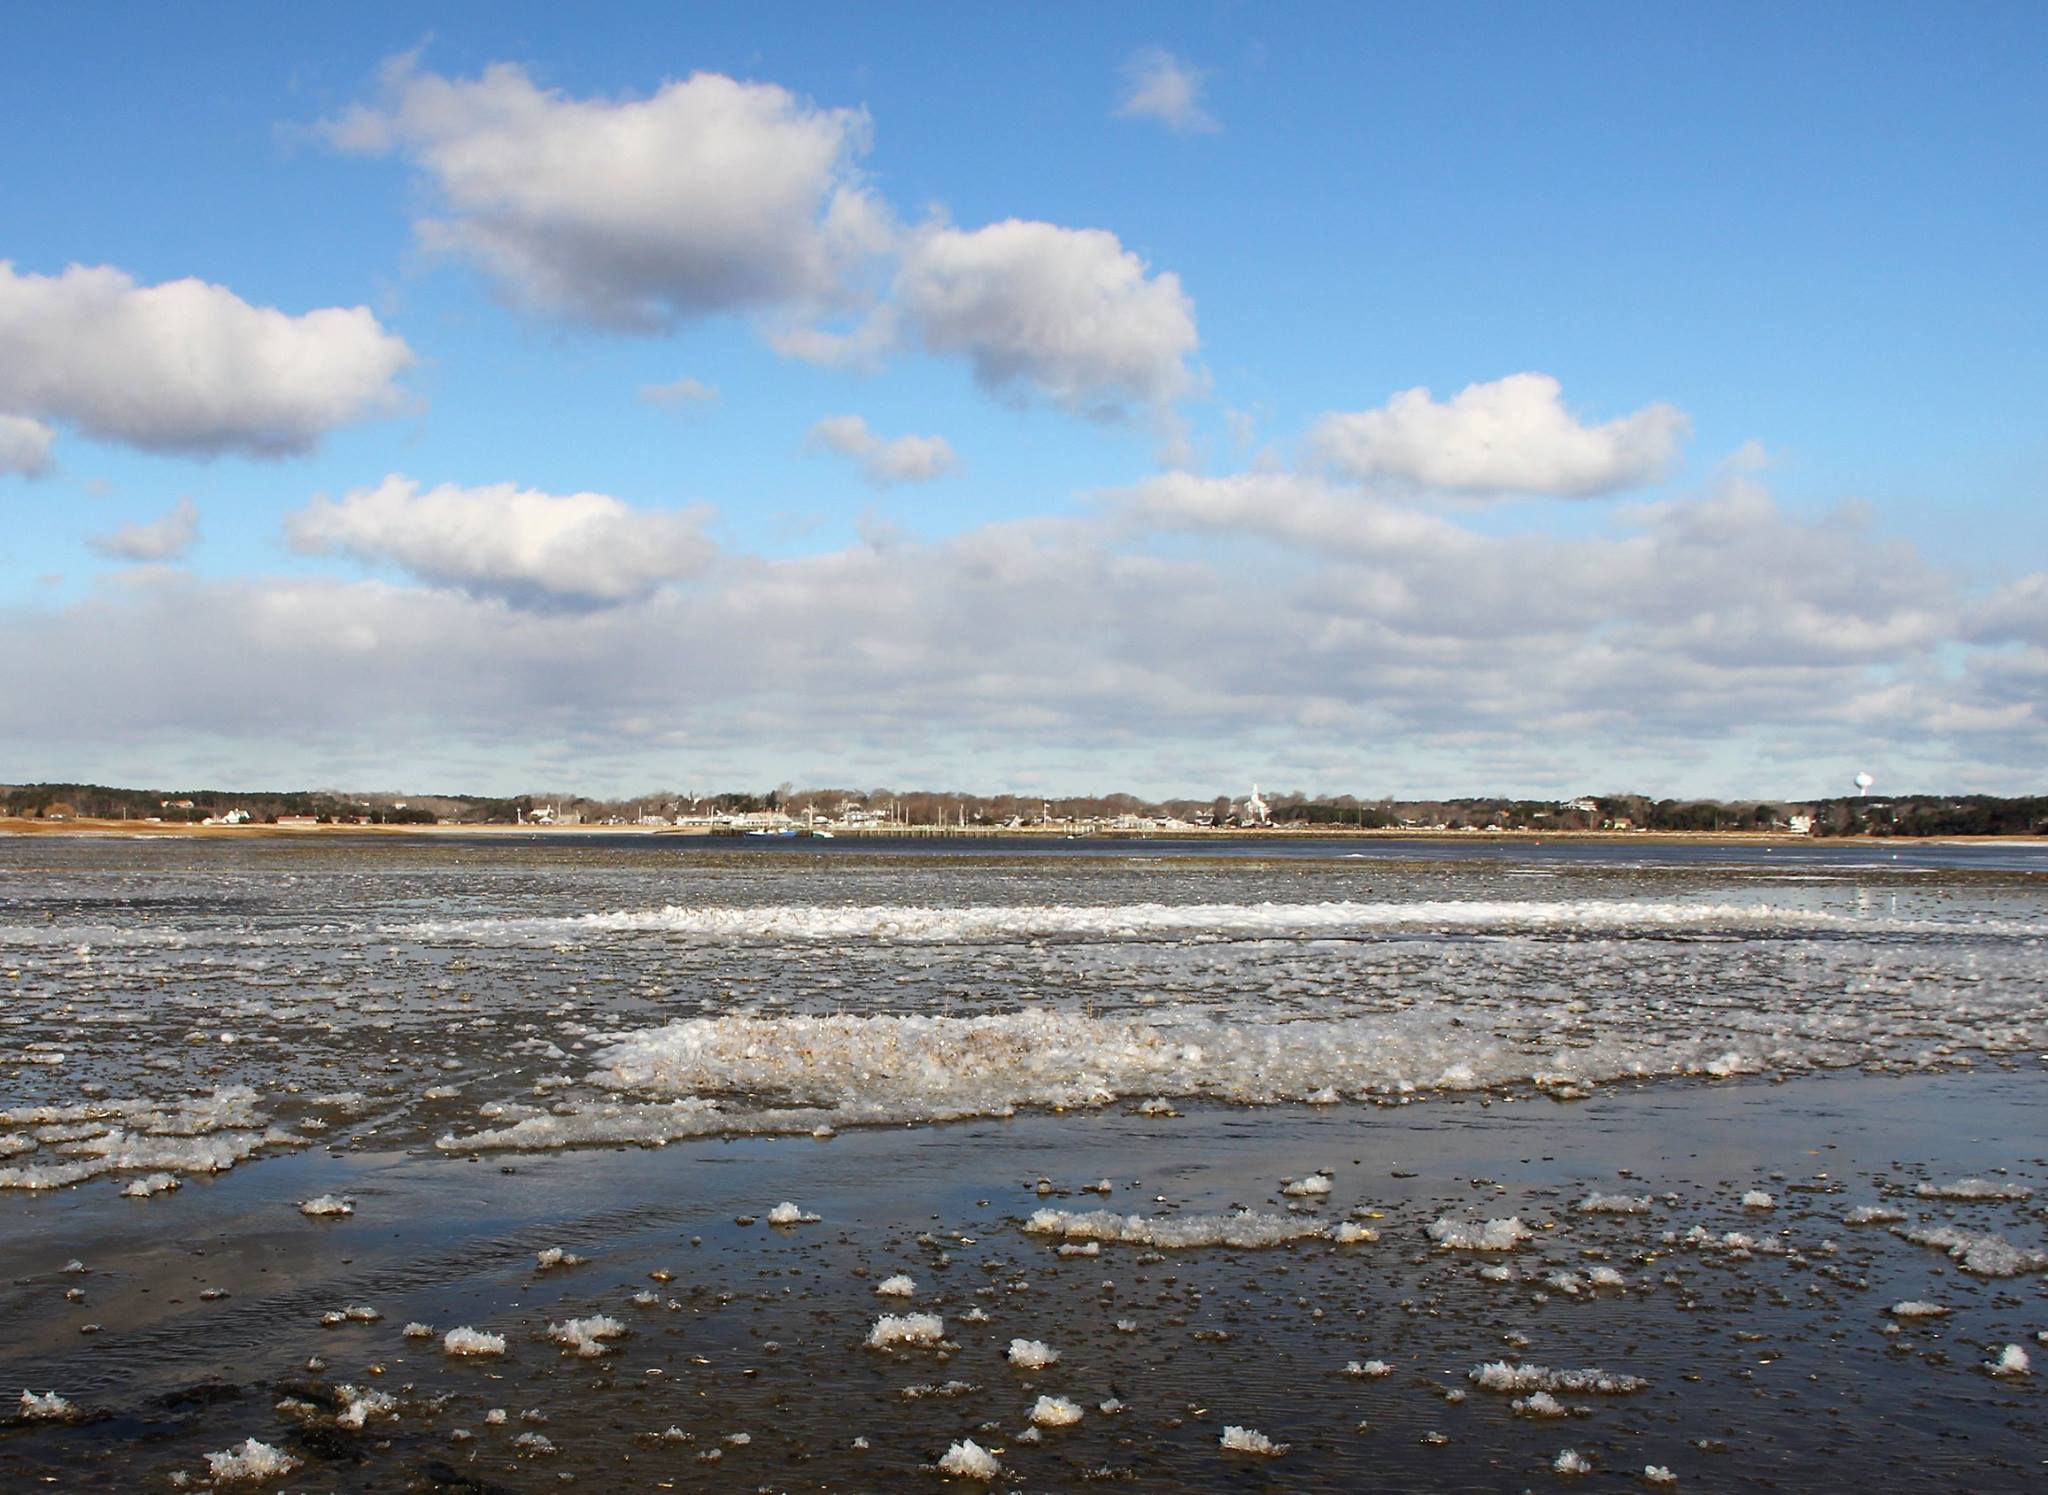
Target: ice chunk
(361, 1406)
(467, 1341)
(898, 1286)
(787, 1213)
(1913, 1308)
(154, 1183)
(1055, 1412)
(417, 1330)
(1987, 1255)
(251, 1461)
(1757, 1199)
(48, 1407)
(1032, 1354)
(1309, 1187)
(1659, 1474)
(327, 1205)
(1615, 1204)
(1371, 1370)
(1250, 1440)
(1538, 1404)
(587, 1336)
(1873, 1214)
(944, 1390)
(555, 1256)
(969, 1460)
(1974, 1188)
(2012, 1362)
(1571, 1462)
(892, 1329)
(1247, 1228)
(1491, 1235)
(1499, 1375)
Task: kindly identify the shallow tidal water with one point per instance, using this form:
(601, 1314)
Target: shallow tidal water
(622, 1050)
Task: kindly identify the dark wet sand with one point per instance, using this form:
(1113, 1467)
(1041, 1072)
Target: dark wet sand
(1768, 1373)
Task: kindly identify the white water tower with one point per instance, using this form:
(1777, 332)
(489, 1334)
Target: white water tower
(1863, 783)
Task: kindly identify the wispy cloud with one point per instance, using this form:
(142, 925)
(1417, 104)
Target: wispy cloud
(684, 391)
(163, 539)
(1167, 90)
(905, 459)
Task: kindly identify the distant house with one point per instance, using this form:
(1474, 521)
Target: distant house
(1799, 825)
(300, 821)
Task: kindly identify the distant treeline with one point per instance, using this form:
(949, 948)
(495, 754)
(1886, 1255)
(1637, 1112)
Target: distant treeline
(1891, 815)
(332, 807)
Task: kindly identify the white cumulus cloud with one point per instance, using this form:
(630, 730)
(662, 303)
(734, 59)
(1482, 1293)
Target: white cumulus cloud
(711, 195)
(186, 366)
(1160, 86)
(163, 539)
(1512, 436)
(905, 459)
(1066, 314)
(24, 446)
(518, 544)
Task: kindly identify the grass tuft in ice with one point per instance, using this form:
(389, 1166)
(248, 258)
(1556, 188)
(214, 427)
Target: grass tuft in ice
(417, 1330)
(251, 1461)
(1032, 1354)
(1250, 1440)
(892, 1329)
(969, 1460)
(327, 1206)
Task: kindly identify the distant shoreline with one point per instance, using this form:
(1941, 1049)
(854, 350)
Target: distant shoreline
(25, 826)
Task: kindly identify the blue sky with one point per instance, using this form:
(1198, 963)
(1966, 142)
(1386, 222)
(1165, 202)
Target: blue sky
(1779, 269)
